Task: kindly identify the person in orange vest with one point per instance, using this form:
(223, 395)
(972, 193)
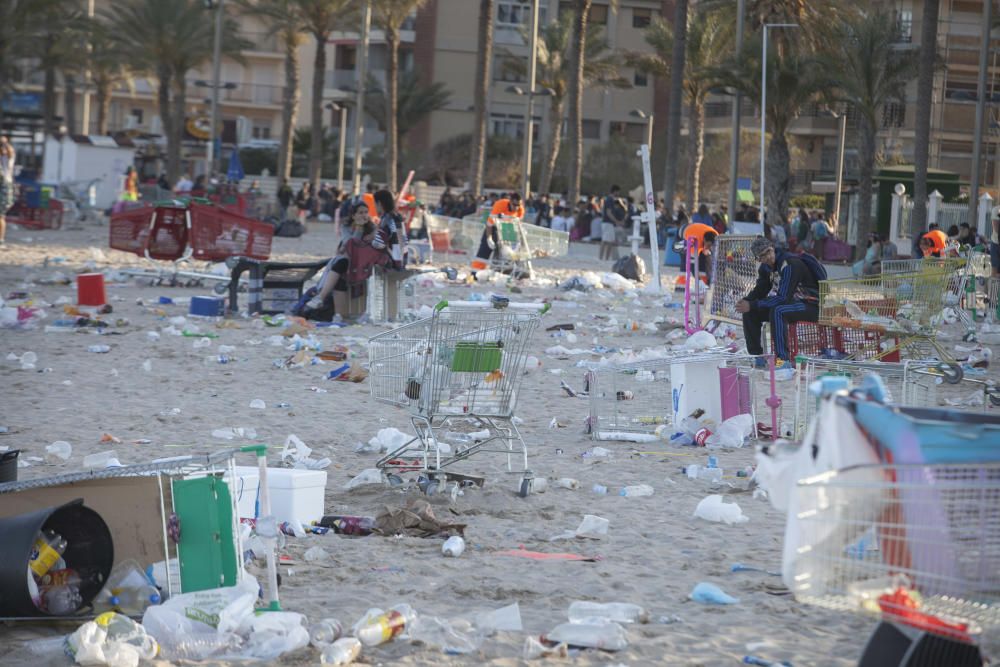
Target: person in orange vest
(705, 236)
(933, 243)
(510, 206)
(490, 240)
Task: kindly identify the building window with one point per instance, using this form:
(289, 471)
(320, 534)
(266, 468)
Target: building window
(512, 126)
(598, 13)
(510, 68)
(640, 79)
(591, 129)
(347, 57)
(633, 132)
(137, 114)
(893, 115)
(641, 18)
(516, 14)
(261, 132)
(904, 27)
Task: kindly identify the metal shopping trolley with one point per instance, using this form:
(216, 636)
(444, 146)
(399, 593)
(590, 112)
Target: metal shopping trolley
(635, 402)
(458, 372)
(180, 231)
(907, 306)
(909, 532)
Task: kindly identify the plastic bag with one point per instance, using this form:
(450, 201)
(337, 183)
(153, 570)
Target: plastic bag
(732, 433)
(111, 639)
(196, 626)
(700, 340)
(712, 508)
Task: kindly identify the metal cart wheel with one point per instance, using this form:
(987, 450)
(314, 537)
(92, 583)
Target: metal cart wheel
(952, 373)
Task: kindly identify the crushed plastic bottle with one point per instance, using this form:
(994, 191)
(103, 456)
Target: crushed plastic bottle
(581, 611)
(604, 636)
(47, 550)
(600, 489)
(341, 652)
(704, 473)
(382, 627)
(567, 483)
(707, 593)
(325, 632)
(453, 547)
(99, 349)
(636, 491)
(127, 590)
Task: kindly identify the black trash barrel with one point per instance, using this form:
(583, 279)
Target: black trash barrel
(8, 466)
(89, 551)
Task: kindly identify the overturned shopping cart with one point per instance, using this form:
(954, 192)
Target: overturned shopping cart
(912, 537)
(458, 372)
(181, 231)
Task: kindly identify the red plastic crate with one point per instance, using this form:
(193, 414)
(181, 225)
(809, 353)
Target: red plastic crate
(810, 339)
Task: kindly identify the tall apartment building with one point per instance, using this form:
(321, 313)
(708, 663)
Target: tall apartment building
(440, 44)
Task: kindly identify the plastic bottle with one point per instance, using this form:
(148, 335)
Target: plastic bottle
(606, 636)
(48, 549)
(567, 483)
(453, 546)
(691, 423)
(636, 491)
(127, 590)
(325, 632)
(341, 652)
(600, 489)
(384, 628)
(62, 600)
(99, 349)
(223, 358)
(595, 612)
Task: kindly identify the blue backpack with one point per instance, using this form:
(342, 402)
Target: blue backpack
(815, 266)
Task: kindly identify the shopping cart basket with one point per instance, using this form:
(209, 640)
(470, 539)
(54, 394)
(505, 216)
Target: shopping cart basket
(907, 306)
(182, 230)
(48, 217)
(636, 401)
(458, 373)
(513, 255)
(910, 383)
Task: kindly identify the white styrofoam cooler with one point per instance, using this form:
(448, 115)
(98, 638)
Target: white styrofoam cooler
(297, 496)
(696, 385)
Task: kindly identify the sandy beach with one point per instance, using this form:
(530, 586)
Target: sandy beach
(655, 551)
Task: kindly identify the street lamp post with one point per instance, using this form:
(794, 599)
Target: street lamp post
(763, 113)
(648, 117)
(216, 66)
(342, 108)
(841, 140)
(530, 110)
(359, 105)
(734, 153)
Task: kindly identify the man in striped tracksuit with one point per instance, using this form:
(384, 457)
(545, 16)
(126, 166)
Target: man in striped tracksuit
(787, 291)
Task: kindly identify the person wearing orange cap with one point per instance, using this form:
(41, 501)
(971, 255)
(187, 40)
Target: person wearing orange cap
(933, 243)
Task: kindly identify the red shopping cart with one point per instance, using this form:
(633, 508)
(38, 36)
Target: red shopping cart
(179, 231)
(49, 217)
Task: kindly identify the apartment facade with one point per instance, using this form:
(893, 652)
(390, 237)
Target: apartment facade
(440, 44)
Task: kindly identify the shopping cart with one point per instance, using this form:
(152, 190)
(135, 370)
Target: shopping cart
(49, 216)
(637, 402)
(458, 372)
(180, 231)
(907, 306)
(905, 528)
(734, 273)
(80, 199)
(910, 383)
(513, 254)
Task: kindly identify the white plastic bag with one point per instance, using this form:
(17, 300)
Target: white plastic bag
(711, 508)
(732, 433)
(700, 340)
(365, 477)
(196, 626)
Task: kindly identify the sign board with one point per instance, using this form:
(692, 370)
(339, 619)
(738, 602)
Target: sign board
(22, 103)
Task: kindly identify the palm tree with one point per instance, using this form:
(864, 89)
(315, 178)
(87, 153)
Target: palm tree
(677, 58)
(708, 38)
(168, 39)
(869, 72)
(484, 57)
(285, 20)
(109, 68)
(793, 80)
(414, 101)
(553, 72)
(578, 45)
(390, 15)
(321, 17)
(20, 28)
(922, 131)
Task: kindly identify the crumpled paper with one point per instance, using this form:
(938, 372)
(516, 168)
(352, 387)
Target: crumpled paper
(416, 520)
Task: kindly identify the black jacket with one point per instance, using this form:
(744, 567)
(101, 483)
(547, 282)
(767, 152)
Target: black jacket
(796, 282)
